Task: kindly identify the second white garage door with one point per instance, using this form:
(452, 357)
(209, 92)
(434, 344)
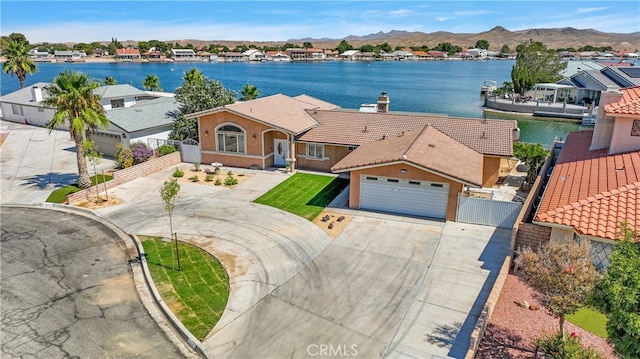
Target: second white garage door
(418, 198)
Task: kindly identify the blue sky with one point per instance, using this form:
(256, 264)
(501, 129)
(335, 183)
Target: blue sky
(87, 21)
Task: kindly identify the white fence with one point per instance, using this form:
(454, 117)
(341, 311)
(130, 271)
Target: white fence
(487, 212)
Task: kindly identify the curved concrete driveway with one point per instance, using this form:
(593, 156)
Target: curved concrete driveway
(68, 291)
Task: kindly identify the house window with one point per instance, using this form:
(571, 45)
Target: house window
(315, 151)
(635, 128)
(117, 103)
(17, 110)
(230, 139)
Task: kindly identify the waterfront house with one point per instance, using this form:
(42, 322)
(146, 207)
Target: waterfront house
(254, 55)
(443, 154)
(315, 54)
(437, 55)
(230, 56)
(134, 115)
(296, 54)
(128, 55)
(183, 55)
(350, 55)
(595, 184)
(277, 56)
(69, 56)
(40, 56)
(154, 55)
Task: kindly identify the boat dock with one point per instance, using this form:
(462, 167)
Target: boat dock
(538, 108)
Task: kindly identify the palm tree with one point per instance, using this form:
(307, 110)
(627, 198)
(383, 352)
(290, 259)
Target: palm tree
(18, 61)
(193, 75)
(71, 94)
(152, 83)
(110, 80)
(249, 92)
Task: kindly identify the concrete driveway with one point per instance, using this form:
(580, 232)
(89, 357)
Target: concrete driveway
(387, 286)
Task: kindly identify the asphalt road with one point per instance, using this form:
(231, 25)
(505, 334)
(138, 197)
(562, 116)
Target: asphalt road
(67, 291)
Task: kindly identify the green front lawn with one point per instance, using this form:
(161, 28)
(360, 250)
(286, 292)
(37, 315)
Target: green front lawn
(198, 293)
(304, 194)
(590, 320)
(60, 195)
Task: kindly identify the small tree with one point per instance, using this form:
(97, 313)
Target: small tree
(249, 92)
(562, 273)
(618, 294)
(169, 193)
(92, 154)
(533, 155)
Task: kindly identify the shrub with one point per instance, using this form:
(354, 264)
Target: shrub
(208, 178)
(196, 167)
(230, 180)
(194, 179)
(218, 182)
(124, 157)
(140, 152)
(166, 149)
(552, 346)
(178, 173)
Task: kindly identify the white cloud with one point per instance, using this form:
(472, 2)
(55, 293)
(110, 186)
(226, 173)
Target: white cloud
(590, 9)
(444, 18)
(400, 12)
(471, 13)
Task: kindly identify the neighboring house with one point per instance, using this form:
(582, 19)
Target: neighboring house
(316, 54)
(296, 54)
(69, 56)
(183, 55)
(277, 56)
(597, 79)
(100, 52)
(350, 55)
(317, 135)
(40, 56)
(254, 55)
(477, 53)
(595, 184)
(128, 55)
(154, 55)
(147, 121)
(437, 55)
(231, 57)
(135, 115)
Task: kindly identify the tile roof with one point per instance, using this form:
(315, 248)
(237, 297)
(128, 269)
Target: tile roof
(424, 147)
(592, 190)
(127, 52)
(279, 111)
(489, 137)
(628, 105)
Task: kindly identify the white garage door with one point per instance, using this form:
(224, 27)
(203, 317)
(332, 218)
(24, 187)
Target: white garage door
(418, 198)
(106, 142)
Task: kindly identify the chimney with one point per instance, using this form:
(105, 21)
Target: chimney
(603, 129)
(383, 103)
(36, 94)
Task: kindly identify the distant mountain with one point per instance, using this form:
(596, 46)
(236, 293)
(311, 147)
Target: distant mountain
(497, 37)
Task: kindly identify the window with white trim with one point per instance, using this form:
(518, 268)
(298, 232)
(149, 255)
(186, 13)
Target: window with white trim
(315, 151)
(230, 139)
(17, 110)
(117, 103)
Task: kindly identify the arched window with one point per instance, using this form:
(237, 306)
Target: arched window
(230, 139)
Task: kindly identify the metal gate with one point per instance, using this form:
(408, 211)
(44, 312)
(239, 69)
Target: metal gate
(190, 151)
(487, 212)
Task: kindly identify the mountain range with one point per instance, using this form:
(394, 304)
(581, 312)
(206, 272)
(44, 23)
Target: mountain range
(556, 38)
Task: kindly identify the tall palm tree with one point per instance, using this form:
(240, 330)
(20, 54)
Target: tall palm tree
(249, 92)
(193, 75)
(110, 80)
(71, 94)
(151, 82)
(18, 61)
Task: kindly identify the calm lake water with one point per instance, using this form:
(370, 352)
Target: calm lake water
(442, 87)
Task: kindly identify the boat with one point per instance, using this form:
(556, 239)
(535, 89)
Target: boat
(488, 86)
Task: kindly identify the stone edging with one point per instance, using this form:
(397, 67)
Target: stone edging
(157, 309)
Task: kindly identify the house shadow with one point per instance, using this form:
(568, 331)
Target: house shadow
(492, 258)
(500, 342)
(52, 179)
(329, 192)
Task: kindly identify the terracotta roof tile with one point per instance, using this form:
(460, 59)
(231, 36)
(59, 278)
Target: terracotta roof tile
(592, 190)
(424, 147)
(489, 137)
(628, 105)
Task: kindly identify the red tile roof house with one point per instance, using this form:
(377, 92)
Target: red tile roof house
(128, 55)
(420, 161)
(595, 184)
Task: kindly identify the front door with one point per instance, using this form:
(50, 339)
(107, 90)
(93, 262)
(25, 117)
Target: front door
(280, 152)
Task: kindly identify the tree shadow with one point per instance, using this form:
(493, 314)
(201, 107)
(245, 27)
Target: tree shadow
(444, 335)
(54, 179)
(500, 342)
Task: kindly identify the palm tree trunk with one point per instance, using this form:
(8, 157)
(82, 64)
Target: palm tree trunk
(84, 181)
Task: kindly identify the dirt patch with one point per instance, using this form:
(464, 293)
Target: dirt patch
(116, 290)
(332, 223)
(210, 179)
(94, 202)
(506, 166)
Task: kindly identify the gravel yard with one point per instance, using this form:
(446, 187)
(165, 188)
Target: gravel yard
(513, 329)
